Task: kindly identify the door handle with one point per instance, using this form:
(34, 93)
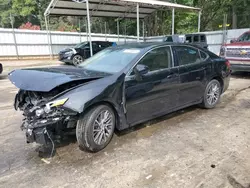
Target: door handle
(172, 75)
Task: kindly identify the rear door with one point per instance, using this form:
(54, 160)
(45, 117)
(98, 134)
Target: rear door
(157, 92)
(192, 71)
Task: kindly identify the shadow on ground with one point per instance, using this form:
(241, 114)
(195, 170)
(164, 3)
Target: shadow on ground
(3, 76)
(244, 75)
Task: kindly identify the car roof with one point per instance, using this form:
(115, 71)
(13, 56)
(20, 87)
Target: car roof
(145, 45)
(95, 41)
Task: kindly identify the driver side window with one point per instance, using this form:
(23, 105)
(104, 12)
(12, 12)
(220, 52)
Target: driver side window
(157, 59)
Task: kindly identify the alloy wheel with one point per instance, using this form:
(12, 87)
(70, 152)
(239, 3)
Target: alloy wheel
(77, 60)
(103, 127)
(213, 94)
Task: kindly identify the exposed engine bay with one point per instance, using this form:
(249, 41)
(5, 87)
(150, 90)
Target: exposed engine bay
(45, 118)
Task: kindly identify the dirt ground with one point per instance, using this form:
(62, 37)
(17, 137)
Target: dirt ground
(192, 148)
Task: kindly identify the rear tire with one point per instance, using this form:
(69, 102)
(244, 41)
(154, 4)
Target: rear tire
(212, 94)
(95, 129)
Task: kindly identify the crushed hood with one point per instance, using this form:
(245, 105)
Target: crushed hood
(46, 79)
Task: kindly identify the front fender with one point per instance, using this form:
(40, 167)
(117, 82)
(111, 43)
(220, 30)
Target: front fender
(106, 89)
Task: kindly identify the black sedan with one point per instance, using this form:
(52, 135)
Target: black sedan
(80, 52)
(115, 89)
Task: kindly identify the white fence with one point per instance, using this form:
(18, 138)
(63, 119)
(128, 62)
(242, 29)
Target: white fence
(35, 43)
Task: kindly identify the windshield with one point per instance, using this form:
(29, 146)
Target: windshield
(110, 60)
(244, 37)
(80, 45)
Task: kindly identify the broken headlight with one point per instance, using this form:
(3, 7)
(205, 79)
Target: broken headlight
(55, 103)
(39, 112)
(49, 105)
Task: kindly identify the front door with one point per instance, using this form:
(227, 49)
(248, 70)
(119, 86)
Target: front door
(192, 70)
(157, 91)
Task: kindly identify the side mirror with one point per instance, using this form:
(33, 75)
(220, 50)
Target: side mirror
(233, 40)
(140, 70)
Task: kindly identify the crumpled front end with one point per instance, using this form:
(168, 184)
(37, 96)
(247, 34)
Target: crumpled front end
(45, 119)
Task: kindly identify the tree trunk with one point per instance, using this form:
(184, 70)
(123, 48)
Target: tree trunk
(234, 18)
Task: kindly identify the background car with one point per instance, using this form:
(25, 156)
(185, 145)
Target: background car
(1, 68)
(80, 52)
(194, 39)
(197, 39)
(238, 53)
(117, 88)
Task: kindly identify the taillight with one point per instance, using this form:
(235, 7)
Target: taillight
(227, 64)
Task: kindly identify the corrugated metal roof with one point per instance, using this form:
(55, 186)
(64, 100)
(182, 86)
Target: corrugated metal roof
(110, 8)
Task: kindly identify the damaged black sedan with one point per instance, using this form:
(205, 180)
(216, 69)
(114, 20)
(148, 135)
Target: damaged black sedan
(115, 89)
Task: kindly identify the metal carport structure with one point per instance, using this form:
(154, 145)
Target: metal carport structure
(119, 9)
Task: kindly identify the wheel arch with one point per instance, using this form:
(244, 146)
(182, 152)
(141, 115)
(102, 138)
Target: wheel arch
(76, 54)
(111, 105)
(220, 80)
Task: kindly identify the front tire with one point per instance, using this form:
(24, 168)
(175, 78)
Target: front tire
(212, 94)
(95, 129)
(77, 59)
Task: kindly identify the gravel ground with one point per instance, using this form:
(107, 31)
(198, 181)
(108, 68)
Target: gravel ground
(190, 148)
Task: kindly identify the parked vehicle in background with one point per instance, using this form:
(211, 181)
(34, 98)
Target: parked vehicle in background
(80, 52)
(197, 39)
(117, 88)
(1, 68)
(167, 38)
(194, 39)
(238, 52)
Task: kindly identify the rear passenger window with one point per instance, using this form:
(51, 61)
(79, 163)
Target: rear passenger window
(95, 45)
(105, 44)
(203, 38)
(188, 39)
(187, 55)
(196, 38)
(169, 39)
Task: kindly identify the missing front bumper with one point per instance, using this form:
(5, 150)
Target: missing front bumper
(46, 131)
(39, 135)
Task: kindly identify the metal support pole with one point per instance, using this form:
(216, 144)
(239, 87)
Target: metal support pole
(138, 22)
(86, 23)
(125, 31)
(105, 27)
(143, 30)
(173, 11)
(199, 22)
(224, 38)
(51, 43)
(80, 30)
(14, 35)
(47, 29)
(89, 28)
(118, 30)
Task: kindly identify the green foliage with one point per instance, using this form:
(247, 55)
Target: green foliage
(159, 23)
(24, 7)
